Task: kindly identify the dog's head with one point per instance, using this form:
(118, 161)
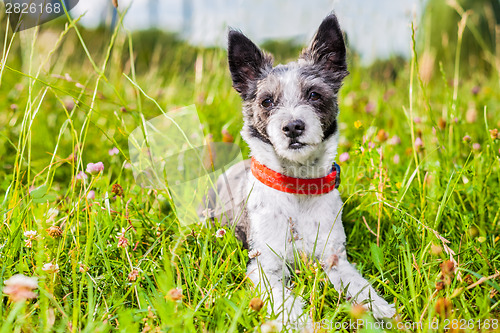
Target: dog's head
(290, 110)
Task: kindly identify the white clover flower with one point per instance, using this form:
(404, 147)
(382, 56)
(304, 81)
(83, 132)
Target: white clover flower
(20, 287)
(254, 253)
(220, 233)
(50, 268)
(30, 234)
(270, 326)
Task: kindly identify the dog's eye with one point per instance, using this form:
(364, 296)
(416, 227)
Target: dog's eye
(314, 96)
(267, 103)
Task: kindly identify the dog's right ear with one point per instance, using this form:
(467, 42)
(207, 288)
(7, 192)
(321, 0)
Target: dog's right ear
(247, 63)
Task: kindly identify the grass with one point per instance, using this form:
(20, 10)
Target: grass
(69, 95)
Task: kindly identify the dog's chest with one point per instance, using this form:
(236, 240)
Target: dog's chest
(283, 221)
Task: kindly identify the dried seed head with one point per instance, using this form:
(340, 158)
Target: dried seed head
(132, 276)
(468, 279)
(54, 231)
(435, 249)
(175, 294)
(226, 136)
(357, 311)
(146, 327)
(443, 307)
(382, 135)
(494, 134)
(122, 242)
(256, 304)
(446, 280)
(117, 190)
(439, 284)
(82, 268)
(442, 123)
(448, 268)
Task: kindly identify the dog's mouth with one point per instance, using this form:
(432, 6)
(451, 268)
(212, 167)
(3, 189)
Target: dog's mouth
(296, 144)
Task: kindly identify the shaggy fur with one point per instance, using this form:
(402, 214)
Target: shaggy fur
(290, 123)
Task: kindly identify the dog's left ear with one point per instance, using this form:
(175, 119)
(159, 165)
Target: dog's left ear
(327, 48)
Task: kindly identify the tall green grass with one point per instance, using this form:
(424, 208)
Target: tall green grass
(68, 95)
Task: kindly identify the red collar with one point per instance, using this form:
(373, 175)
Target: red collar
(296, 185)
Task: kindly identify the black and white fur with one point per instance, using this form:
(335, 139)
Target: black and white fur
(290, 123)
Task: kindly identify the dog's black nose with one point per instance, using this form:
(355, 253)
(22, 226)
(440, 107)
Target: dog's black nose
(294, 129)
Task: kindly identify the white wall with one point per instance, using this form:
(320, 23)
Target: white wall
(376, 28)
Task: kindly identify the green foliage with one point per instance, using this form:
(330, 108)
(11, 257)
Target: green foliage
(440, 32)
(124, 261)
(283, 51)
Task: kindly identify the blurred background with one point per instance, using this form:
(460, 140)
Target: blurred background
(375, 29)
(204, 23)
(419, 148)
(175, 51)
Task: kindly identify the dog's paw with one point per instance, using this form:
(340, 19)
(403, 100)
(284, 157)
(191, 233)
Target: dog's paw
(381, 309)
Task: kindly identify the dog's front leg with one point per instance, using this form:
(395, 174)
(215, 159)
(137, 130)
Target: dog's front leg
(347, 279)
(270, 276)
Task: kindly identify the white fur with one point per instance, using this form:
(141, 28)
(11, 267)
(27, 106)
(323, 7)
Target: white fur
(281, 223)
(315, 222)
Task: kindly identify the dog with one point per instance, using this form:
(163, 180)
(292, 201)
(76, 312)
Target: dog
(285, 200)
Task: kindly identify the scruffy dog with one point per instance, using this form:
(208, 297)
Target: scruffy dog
(287, 193)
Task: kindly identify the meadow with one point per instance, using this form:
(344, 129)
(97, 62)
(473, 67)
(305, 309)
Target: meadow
(420, 158)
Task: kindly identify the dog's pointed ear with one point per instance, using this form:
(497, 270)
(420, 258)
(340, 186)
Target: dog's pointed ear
(247, 63)
(327, 47)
